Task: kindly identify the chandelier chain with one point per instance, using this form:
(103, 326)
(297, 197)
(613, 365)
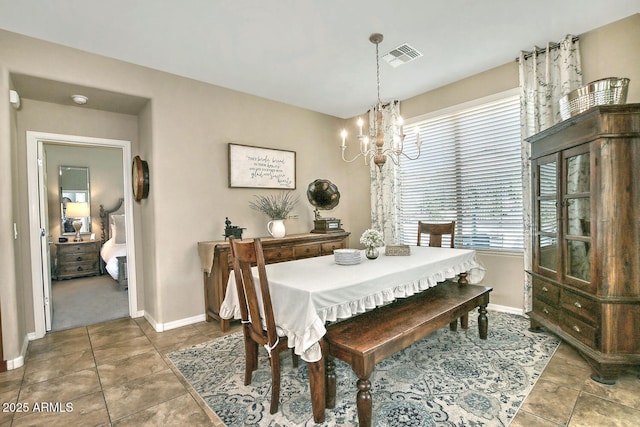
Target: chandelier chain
(378, 73)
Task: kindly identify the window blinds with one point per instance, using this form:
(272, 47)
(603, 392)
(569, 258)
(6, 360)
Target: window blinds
(469, 171)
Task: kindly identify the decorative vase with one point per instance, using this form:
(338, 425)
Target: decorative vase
(276, 228)
(372, 252)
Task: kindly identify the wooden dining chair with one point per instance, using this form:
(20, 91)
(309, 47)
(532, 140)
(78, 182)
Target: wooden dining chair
(258, 322)
(436, 231)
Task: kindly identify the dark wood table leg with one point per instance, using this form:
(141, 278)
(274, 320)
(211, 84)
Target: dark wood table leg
(317, 387)
(364, 402)
(483, 322)
(330, 383)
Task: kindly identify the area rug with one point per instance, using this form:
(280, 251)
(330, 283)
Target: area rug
(447, 379)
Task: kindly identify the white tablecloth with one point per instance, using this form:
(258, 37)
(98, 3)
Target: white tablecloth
(307, 293)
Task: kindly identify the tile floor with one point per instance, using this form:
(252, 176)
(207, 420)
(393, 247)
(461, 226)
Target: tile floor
(117, 374)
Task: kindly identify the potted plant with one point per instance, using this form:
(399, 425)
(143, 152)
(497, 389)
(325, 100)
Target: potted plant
(277, 208)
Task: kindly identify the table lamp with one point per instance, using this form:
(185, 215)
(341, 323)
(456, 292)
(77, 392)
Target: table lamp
(77, 210)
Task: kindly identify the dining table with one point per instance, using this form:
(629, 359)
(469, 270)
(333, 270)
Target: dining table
(308, 293)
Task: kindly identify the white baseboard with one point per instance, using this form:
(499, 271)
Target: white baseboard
(505, 309)
(152, 322)
(19, 361)
(161, 327)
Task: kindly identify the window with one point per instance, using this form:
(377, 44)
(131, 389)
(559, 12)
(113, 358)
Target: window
(469, 171)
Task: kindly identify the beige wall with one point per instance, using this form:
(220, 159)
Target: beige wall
(605, 52)
(613, 51)
(183, 133)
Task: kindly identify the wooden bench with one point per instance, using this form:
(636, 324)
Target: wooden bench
(367, 339)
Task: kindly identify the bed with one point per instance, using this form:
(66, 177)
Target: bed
(113, 253)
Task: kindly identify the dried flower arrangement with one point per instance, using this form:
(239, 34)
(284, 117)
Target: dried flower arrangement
(275, 206)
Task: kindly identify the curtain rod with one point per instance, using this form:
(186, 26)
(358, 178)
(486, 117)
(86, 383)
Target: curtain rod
(544, 49)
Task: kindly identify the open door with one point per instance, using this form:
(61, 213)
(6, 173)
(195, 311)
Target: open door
(45, 235)
(39, 227)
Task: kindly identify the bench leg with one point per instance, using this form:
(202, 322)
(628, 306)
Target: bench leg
(464, 321)
(483, 322)
(364, 402)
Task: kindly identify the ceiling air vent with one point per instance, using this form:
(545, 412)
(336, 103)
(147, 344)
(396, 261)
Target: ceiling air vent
(401, 55)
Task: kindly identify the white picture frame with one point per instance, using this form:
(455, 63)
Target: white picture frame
(259, 167)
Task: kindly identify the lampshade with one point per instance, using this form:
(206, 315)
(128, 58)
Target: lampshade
(77, 210)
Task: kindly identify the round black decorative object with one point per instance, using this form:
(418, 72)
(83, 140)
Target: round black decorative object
(323, 194)
(140, 178)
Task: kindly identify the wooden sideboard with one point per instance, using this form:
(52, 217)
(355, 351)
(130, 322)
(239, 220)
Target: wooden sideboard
(216, 262)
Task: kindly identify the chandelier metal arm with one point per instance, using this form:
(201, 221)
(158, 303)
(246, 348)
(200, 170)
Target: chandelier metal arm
(364, 155)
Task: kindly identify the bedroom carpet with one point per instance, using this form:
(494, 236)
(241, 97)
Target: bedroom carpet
(447, 379)
(87, 301)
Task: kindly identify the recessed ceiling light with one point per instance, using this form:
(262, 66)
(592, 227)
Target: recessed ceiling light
(79, 99)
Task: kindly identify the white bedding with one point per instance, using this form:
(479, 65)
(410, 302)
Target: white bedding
(110, 252)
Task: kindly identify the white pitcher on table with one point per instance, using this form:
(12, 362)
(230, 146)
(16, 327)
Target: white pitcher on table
(276, 228)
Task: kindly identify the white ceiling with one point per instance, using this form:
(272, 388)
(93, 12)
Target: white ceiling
(313, 54)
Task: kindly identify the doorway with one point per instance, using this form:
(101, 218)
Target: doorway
(40, 235)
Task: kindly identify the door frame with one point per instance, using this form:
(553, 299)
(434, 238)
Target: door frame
(37, 198)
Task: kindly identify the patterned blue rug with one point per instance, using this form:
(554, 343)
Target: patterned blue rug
(447, 379)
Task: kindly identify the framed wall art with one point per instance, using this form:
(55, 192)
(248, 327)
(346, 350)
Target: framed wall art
(258, 167)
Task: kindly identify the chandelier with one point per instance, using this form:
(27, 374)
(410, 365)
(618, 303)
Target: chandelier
(372, 146)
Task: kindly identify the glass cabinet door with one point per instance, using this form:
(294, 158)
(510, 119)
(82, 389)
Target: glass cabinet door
(546, 180)
(577, 215)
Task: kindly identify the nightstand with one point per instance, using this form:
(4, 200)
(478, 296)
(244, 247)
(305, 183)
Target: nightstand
(76, 259)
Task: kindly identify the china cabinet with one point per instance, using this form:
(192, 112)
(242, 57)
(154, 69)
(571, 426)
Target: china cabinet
(586, 240)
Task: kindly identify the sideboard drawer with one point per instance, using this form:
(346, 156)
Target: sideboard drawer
(306, 251)
(277, 254)
(328, 248)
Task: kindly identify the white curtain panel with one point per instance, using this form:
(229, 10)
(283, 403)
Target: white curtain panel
(384, 184)
(546, 75)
